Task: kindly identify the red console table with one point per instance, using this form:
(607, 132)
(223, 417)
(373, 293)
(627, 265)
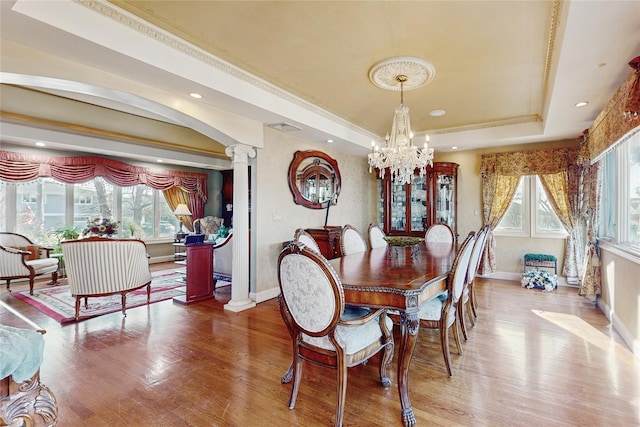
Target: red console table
(199, 274)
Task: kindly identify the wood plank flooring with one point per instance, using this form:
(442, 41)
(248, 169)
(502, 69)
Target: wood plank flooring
(533, 359)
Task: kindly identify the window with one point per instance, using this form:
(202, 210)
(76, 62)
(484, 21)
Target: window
(620, 210)
(530, 213)
(37, 208)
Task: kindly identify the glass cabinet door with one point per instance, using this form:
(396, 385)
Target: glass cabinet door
(398, 207)
(418, 203)
(445, 199)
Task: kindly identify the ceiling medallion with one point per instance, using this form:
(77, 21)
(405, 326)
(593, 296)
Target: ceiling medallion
(399, 156)
(418, 72)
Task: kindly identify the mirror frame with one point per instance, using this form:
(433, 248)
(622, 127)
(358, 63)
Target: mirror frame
(298, 158)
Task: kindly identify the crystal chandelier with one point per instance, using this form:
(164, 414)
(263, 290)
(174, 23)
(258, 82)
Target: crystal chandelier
(400, 156)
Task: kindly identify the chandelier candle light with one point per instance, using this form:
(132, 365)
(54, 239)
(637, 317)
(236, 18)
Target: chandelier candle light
(399, 154)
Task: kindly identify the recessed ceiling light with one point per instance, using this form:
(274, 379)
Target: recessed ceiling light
(437, 113)
(40, 144)
(195, 95)
(454, 147)
(160, 160)
(581, 104)
(330, 141)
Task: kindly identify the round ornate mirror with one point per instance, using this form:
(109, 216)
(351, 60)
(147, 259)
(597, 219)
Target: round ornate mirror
(314, 179)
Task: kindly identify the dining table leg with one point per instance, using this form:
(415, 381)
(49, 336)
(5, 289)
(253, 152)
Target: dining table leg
(409, 326)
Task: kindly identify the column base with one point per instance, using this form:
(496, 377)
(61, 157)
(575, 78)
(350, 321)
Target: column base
(237, 306)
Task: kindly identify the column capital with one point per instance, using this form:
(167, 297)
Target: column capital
(240, 152)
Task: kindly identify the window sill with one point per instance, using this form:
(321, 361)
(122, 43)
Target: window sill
(627, 252)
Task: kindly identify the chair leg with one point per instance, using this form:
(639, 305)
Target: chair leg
(78, 307)
(31, 280)
(385, 361)
(469, 306)
(474, 299)
(297, 374)
(461, 317)
(124, 304)
(444, 342)
(341, 394)
(8, 285)
(456, 336)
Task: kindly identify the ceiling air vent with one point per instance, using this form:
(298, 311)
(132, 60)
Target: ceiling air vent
(284, 127)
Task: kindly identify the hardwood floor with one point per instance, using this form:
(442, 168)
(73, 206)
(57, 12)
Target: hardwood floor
(533, 359)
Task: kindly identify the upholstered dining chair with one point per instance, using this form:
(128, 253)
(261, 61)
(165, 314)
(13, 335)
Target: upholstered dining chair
(443, 315)
(376, 236)
(351, 241)
(312, 303)
(440, 233)
(303, 237)
(474, 264)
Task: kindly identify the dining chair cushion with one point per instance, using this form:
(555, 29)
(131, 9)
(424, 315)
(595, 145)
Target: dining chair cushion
(352, 312)
(431, 309)
(353, 338)
(352, 241)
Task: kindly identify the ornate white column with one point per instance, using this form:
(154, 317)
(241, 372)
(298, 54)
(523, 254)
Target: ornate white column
(240, 300)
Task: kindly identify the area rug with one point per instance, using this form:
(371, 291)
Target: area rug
(57, 302)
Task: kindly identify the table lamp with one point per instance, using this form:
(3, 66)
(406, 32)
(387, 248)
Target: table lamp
(181, 211)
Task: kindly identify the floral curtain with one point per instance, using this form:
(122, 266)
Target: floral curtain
(21, 167)
(563, 192)
(497, 193)
(591, 285)
(500, 174)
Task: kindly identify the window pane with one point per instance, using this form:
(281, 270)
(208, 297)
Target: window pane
(513, 219)
(168, 222)
(137, 212)
(633, 207)
(608, 198)
(546, 218)
(40, 209)
(92, 199)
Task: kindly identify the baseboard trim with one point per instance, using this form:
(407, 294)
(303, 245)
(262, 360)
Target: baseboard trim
(620, 328)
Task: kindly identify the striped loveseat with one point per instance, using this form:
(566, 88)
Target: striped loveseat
(99, 266)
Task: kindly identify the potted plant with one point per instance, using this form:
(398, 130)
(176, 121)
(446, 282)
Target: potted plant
(68, 232)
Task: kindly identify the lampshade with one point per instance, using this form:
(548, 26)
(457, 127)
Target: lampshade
(399, 156)
(182, 209)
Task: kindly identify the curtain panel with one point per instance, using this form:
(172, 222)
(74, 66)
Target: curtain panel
(21, 167)
(497, 167)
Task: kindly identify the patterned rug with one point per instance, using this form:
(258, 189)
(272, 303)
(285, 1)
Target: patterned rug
(57, 302)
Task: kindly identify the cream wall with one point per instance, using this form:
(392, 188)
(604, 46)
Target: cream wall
(620, 299)
(277, 216)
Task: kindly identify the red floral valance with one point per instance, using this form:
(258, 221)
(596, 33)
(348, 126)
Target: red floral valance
(21, 167)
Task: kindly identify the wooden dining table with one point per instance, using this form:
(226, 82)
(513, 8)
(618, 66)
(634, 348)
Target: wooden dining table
(399, 279)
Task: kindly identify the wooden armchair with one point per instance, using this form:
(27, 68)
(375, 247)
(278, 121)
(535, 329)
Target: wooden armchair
(303, 237)
(99, 266)
(351, 241)
(20, 258)
(312, 306)
(376, 236)
(440, 233)
(442, 315)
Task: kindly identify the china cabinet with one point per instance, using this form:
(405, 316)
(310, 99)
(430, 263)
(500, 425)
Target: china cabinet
(409, 209)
